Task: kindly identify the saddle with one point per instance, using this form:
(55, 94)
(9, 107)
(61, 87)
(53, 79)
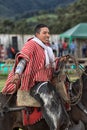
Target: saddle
(47, 98)
(25, 99)
(33, 113)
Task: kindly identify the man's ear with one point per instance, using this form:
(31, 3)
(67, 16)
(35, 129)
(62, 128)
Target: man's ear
(37, 33)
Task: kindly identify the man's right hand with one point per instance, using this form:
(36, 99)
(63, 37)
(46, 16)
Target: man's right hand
(16, 79)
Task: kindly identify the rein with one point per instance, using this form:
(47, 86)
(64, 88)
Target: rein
(5, 109)
(10, 95)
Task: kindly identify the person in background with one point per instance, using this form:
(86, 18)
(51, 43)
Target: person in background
(84, 49)
(72, 47)
(2, 52)
(54, 48)
(34, 64)
(60, 47)
(11, 52)
(65, 47)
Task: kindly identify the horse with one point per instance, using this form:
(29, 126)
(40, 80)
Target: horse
(79, 111)
(78, 95)
(11, 115)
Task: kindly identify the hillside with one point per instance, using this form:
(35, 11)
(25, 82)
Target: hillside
(58, 21)
(9, 8)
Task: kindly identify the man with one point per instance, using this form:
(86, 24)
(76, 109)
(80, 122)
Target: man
(72, 47)
(35, 63)
(2, 52)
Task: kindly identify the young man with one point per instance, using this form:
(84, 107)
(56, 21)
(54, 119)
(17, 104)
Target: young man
(35, 63)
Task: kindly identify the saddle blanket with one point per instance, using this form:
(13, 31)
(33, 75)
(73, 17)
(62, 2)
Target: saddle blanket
(31, 116)
(25, 99)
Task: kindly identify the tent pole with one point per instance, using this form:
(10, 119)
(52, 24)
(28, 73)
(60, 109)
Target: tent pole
(70, 39)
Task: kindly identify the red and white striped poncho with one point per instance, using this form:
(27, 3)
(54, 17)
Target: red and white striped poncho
(35, 69)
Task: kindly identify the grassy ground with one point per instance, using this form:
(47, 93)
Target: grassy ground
(2, 82)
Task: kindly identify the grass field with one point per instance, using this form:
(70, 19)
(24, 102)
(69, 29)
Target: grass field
(2, 83)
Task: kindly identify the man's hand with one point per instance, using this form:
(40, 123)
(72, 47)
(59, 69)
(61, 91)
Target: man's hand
(16, 79)
(63, 59)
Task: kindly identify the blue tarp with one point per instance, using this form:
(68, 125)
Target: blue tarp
(5, 68)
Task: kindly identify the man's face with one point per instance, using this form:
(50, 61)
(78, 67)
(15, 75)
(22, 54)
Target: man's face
(43, 35)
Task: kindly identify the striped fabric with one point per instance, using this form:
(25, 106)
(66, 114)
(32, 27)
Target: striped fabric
(35, 68)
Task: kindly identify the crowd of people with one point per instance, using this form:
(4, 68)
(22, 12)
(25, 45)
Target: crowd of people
(63, 48)
(60, 48)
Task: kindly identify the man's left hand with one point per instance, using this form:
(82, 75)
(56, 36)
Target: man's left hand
(63, 59)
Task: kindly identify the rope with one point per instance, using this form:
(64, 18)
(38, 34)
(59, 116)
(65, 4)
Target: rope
(75, 98)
